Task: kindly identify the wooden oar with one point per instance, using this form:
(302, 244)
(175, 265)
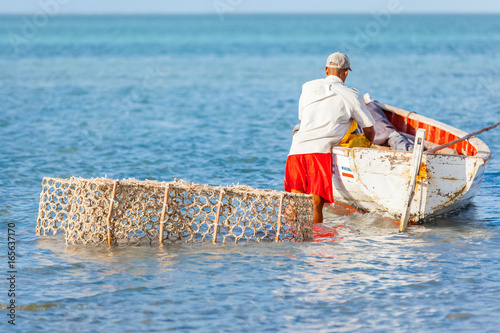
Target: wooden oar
(416, 162)
(433, 150)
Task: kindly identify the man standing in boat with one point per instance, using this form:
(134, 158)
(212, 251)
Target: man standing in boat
(327, 109)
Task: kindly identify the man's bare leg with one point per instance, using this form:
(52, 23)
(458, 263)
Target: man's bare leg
(318, 203)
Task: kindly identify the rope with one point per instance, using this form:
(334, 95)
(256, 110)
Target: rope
(406, 120)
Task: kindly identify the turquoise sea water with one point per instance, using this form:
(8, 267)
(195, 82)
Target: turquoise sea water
(213, 101)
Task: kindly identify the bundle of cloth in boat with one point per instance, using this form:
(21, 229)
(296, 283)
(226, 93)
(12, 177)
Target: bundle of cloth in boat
(133, 212)
(385, 133)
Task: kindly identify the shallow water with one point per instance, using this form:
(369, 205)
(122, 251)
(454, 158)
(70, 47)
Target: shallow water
(214, 101)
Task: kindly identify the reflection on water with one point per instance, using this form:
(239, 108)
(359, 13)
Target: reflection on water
(359, 264)
(464, 223)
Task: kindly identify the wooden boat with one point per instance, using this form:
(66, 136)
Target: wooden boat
(375, 180)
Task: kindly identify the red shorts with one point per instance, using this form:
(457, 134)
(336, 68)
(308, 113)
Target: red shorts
(310, 173)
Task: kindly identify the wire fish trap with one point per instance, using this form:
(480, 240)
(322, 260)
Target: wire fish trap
(132, 211)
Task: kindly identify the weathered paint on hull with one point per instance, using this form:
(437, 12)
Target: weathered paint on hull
(374, 180)
(377, 181)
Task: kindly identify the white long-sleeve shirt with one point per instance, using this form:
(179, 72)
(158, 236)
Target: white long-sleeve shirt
(326, 111)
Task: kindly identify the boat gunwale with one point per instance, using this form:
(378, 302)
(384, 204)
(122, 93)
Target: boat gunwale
(483, 151)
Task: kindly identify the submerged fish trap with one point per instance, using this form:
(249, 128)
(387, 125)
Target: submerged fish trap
(132, 211)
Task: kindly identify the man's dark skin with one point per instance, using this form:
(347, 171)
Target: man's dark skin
(369, 133)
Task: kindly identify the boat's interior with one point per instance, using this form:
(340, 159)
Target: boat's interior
(435, 134)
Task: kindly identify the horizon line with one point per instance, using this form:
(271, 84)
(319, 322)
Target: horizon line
(251, 13)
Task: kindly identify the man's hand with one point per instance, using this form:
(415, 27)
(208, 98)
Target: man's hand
(369, 133)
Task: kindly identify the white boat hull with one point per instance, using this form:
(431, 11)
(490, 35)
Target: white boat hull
(374, 180)
(377, 181)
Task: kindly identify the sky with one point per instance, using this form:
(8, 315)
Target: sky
(245, 6)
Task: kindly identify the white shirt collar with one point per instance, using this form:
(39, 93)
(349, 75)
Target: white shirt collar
(333, 78)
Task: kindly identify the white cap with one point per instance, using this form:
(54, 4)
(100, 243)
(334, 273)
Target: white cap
(338, 60)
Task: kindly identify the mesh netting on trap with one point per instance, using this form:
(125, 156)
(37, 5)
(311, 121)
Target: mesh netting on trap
(132, 211)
